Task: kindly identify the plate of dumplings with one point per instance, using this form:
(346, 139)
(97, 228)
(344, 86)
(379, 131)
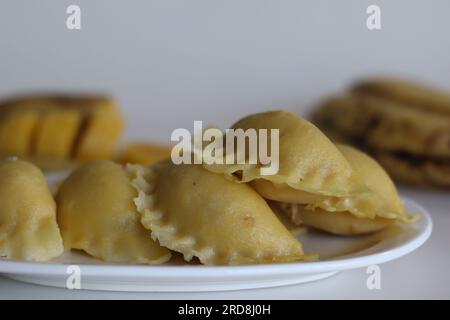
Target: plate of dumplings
(207, 227)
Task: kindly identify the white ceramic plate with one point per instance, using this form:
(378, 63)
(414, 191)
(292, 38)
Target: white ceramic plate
(337, 254)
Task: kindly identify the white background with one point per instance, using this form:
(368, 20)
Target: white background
(172, 62)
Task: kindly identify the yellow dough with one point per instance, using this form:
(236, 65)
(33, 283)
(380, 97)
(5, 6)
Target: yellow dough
(340, 223)
(414, 94)
(28, 228)
(16, 131)
(382, 200)
(385, 125)
(209, 216)
(96, 214)
(308, 160)
(404, 125)
(145, 153)
(284, 193)
(56, 133)
(359, 214)
(101, 133)
(55, 129)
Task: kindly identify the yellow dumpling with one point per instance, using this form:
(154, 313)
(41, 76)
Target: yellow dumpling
(359, 214)
(382, 200)
(284, 193)
(16, 130)
(56, 133)
(308, 160)
(101, 133)
(96, 214)
(209, 216)
(340, 223)
(28, 228)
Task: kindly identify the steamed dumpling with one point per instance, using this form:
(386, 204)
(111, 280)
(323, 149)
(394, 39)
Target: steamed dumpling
(381, 197)
(382, 200)
(28, 228)
(340, 223)
(56, 133)
(96, 214)
(359, 214)
(209, 216)
(16, 130)
(308, 161)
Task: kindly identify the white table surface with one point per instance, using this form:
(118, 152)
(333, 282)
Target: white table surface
(423, 274)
